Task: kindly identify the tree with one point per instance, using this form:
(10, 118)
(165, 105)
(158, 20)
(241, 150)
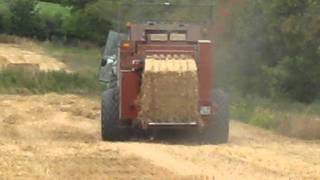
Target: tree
(297, 74)
(24, 17)
(90, 23)
(1, 24)
(272, 49)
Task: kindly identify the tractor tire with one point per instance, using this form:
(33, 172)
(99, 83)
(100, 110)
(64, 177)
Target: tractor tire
(217, 130)
(110, 123)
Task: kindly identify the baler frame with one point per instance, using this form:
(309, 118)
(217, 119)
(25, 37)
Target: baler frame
(125, 67)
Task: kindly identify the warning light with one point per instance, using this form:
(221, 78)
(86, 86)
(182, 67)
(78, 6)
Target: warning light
(126, 45)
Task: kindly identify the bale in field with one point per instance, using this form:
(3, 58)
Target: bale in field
(169, 91)
(302, 127)
(29, 67)
(3, 62)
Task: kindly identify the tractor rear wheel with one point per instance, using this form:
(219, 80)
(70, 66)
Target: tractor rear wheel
(110, 123)
(217, 131)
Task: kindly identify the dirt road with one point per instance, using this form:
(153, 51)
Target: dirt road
(57, 137)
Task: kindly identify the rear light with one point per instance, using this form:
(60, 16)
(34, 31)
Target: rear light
(126, 45)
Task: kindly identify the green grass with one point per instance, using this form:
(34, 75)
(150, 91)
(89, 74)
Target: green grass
(52, 9)
(3, 7)
(24, 82)
(244, 108)
(84, 59)
(279, 115)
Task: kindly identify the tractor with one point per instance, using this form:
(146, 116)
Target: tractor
(123, 68)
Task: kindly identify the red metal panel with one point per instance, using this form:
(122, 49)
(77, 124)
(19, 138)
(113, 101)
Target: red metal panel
(167, 48)
(205, 72)
(130, 87)
(126, 54)
(137, 31)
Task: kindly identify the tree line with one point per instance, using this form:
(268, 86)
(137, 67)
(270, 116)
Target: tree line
(272, 49)
(84, 19)
(81, 21)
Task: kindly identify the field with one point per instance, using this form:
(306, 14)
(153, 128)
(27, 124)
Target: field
(85, 59)
(279, 115)
(50, 129)
(58, 136)
(266, 54)
(63, 69)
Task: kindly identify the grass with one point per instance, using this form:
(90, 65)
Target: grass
(3, 7)
(287, 117)
(83, 59)
(25, 82)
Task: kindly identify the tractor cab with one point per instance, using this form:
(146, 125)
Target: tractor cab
(108, 69)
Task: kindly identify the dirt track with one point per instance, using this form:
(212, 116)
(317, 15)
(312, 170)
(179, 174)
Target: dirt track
(57, 137)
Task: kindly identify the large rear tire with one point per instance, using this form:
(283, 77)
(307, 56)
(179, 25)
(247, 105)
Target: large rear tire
(217, 130)
(110, 123)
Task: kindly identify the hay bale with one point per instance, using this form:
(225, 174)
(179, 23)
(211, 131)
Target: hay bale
(169, 91)
(29, 67)
(3, 62)
(301, 127)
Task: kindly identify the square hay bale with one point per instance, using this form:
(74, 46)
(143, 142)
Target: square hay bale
(26, 67)
(304, 127)
(169, 91)
(3, 62)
